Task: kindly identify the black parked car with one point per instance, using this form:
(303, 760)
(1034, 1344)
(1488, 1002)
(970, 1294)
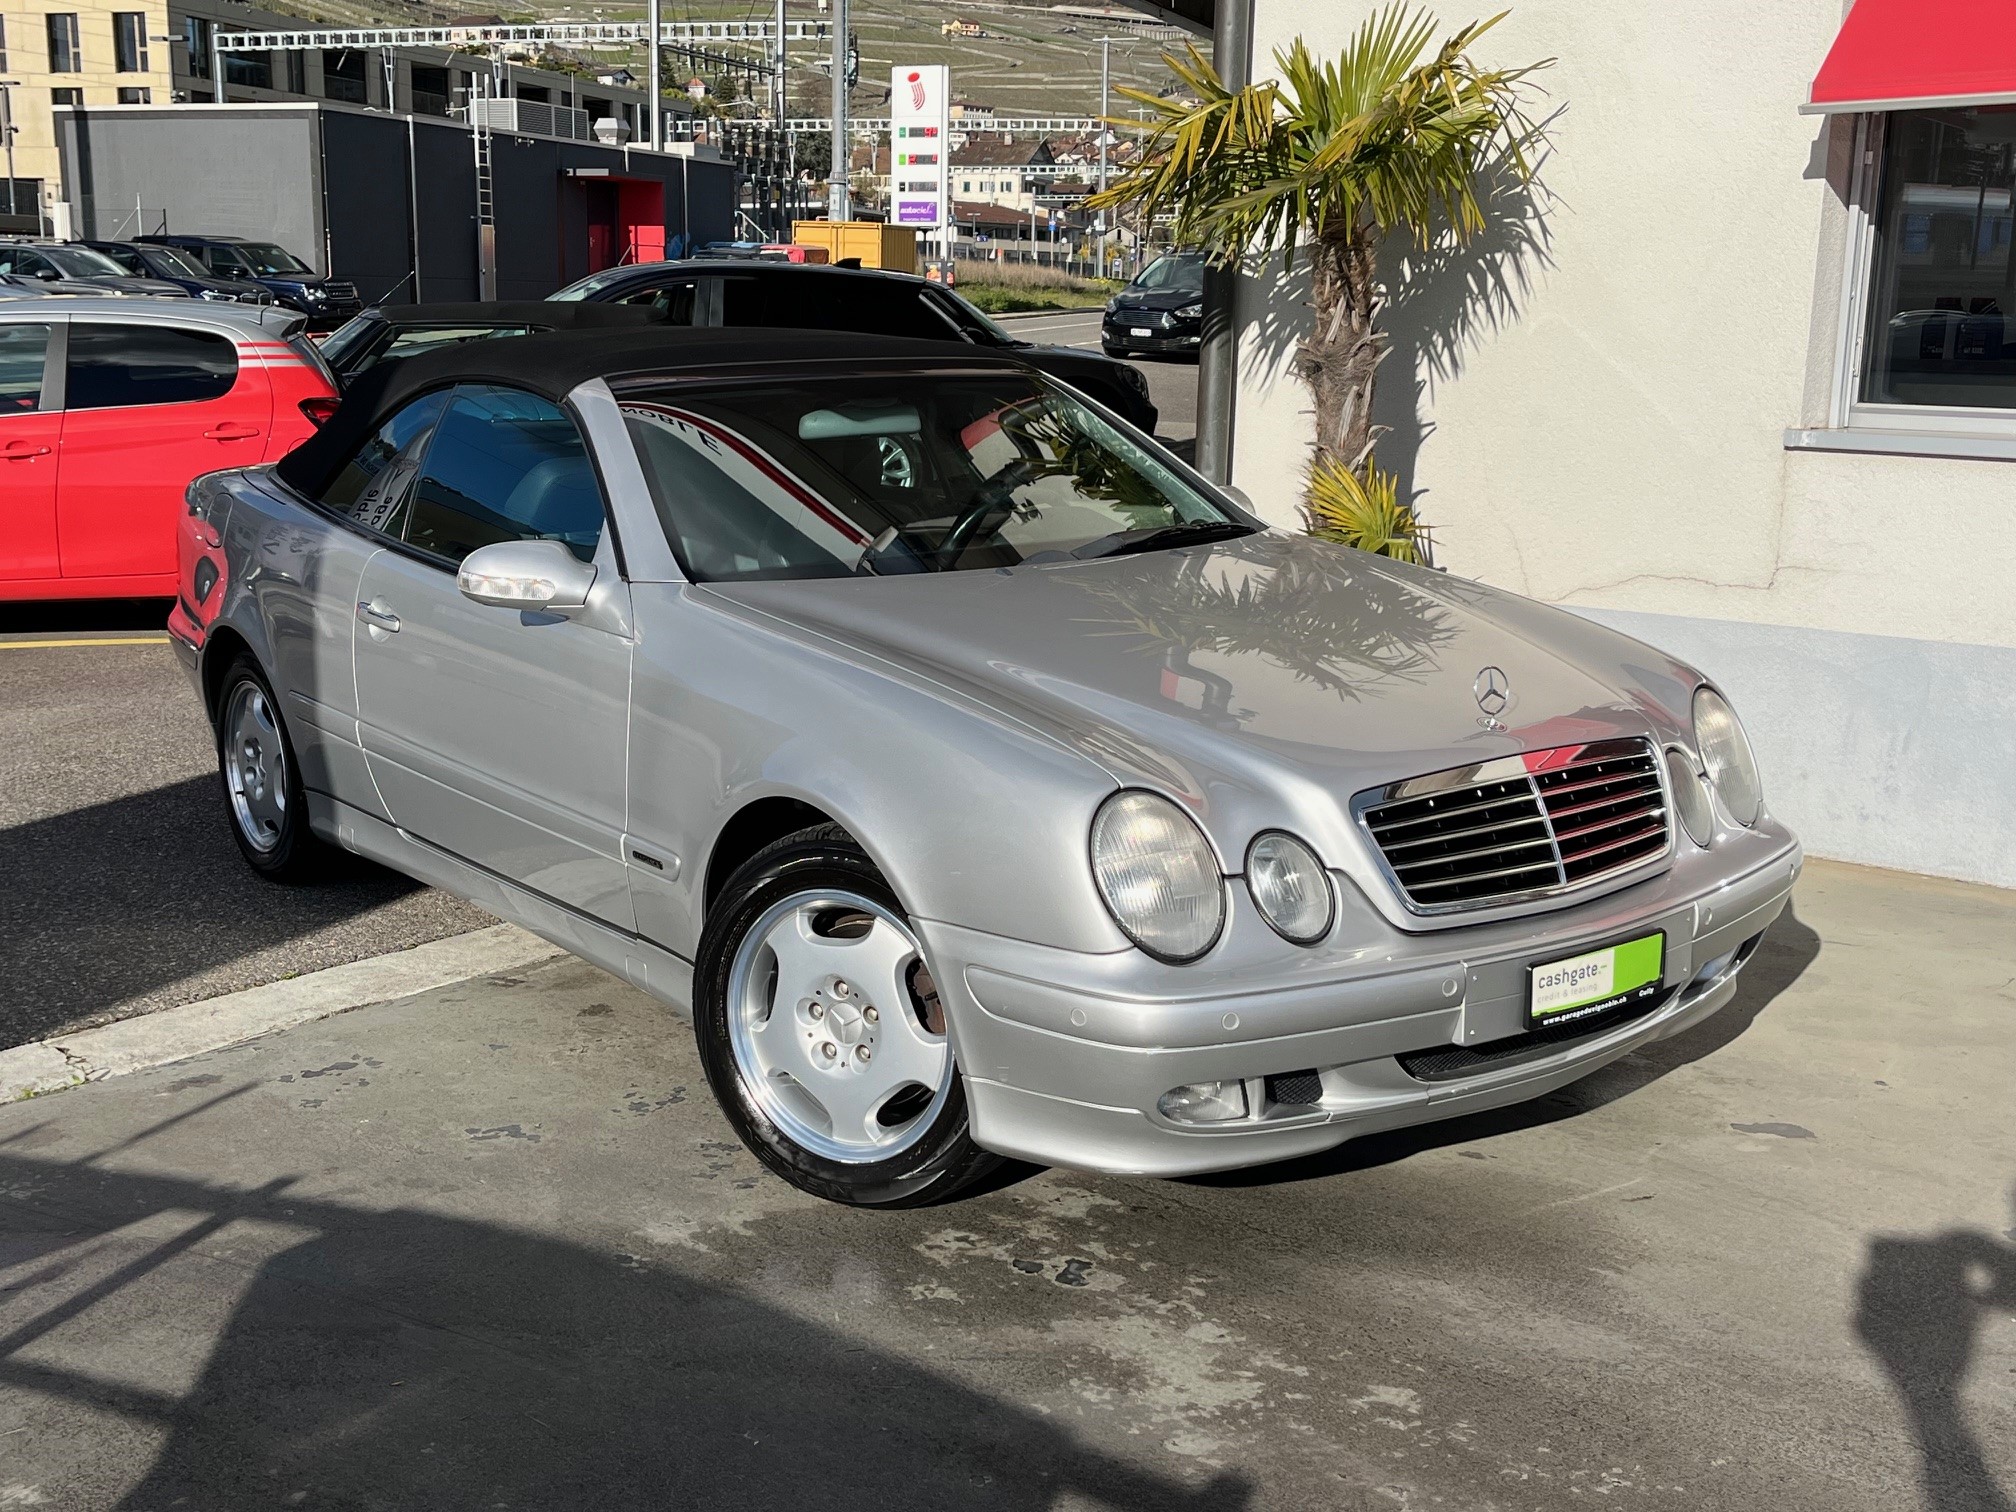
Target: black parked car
(72, 268)
(179, 268)
(327, 302)
(1162, 311)
(392, 332)
(745, 292)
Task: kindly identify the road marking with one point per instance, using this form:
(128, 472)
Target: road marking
(88, 640)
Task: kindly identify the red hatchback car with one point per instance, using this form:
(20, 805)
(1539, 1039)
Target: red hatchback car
(109, 407)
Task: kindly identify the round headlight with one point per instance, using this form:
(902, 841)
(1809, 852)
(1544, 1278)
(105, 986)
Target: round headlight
(1289, 887)
(1158, 876)
(1725, 751)
(1690, 798)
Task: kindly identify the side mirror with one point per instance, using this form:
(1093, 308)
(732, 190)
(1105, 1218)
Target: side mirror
(542, 575)
(1240, 497)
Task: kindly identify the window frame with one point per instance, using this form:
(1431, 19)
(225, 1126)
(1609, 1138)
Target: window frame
(1848, 411)
(608, 551)
(130, 52)
(73, 45)
(55, 364)
(240, 365)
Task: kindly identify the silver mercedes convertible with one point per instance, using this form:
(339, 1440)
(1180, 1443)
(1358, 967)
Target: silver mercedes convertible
(982, 781)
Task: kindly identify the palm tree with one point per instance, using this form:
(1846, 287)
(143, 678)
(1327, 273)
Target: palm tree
(1387, 139)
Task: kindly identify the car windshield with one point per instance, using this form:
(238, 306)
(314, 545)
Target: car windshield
(594, 284)
(269, 260)
(904, 473)
(82, 262)
(1183, 271)
(173, 262)
(971, 320)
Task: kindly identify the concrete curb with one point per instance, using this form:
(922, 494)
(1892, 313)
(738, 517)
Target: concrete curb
(174, 1034)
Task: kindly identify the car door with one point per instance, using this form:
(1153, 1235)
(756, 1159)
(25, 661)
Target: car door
(31, 425)
(146, 407)
(499, 734)
(307, 583)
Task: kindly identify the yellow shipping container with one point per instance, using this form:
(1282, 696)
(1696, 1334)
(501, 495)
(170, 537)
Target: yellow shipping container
(876, 244)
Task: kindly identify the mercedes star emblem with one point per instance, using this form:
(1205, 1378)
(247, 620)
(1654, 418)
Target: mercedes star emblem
(1494, 691)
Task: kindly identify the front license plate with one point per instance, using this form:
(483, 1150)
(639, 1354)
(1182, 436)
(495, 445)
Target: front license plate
(1617, 976)
(1140, 331)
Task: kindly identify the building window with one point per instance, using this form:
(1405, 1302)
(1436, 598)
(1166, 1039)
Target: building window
(537, 93)
(252, 70)
(129, 41)
(343, 77)
(3, 44)
(196, 32)
(430, 91)
(66, 97)
(1941, 303)
(63, 52)
(297, 72)
(128, 95)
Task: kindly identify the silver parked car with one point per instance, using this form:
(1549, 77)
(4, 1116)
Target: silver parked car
(984, 782)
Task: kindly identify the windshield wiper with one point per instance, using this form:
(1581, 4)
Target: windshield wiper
(1155, 537)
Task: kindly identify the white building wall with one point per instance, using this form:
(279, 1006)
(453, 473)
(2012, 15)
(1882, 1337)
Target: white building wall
(1605, 429)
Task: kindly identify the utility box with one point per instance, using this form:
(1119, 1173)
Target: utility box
(876, 243)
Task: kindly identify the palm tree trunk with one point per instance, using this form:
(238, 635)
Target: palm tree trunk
(1340, 358)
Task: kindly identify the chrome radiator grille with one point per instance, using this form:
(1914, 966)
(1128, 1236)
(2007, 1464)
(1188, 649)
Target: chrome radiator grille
(1520, 827)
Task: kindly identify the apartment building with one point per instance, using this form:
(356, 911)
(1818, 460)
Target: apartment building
(155, 52)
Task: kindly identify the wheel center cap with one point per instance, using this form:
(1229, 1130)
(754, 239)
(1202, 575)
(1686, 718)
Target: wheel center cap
(843, 1021)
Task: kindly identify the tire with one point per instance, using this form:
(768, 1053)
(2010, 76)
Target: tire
(844, 1085)
(261, 781)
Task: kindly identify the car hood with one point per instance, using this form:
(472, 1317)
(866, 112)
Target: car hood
(1154, 299)
(1264, 680)
(133, 284)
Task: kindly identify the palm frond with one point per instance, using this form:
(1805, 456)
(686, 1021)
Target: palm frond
(1366, 512)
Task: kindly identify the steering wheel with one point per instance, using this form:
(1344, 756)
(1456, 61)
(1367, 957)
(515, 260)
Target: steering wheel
(997, 498)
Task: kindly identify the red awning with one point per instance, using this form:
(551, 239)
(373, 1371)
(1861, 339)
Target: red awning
(1907, 54)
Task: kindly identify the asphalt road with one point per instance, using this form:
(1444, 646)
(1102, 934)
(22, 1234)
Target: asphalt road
(1172, 383)
(120, 888)
(494, 1247)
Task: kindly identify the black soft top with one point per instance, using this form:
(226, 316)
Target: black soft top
(545, 314)
(555, 363)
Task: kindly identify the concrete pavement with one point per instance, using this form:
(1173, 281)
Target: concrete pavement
(124, 892)
(1172, 384)
(491, 1246)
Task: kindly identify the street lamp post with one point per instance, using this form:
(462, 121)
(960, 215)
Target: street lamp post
(1105, 135)
(839, 202)
(7, 88)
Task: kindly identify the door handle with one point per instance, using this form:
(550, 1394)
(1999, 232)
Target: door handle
(21, 451)
(231, 431)
(378, 616)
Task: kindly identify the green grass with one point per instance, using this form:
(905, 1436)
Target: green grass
(996, 299)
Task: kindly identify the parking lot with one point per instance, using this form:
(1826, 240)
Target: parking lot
(493, 1246)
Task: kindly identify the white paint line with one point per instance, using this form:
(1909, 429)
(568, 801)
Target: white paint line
(173, 1034)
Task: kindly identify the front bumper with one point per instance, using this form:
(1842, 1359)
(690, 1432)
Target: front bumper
(1118, 333)
(1066, 1055)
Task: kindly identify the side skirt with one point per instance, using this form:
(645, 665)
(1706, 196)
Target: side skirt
(648, 967)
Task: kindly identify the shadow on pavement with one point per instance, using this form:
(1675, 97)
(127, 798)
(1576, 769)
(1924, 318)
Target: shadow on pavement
(407, 1359)
(83, 615)
(1788, 948)
(107, 903)
(1921, 1304)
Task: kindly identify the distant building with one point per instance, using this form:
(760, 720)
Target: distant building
(993, 169)
(89, 53)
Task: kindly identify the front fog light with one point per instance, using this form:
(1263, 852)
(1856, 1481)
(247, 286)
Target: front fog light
(1204, 1102)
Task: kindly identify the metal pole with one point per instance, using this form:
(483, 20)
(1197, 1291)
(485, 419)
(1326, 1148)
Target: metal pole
(7, 133)
(216, 63)
(1218, 352)
(1105, 87)
(654, 73)
(780, 91)
(839, 202)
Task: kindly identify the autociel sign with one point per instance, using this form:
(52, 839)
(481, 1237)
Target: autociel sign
(920, 128)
